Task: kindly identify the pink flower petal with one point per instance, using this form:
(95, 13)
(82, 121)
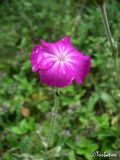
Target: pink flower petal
(36, 57)
(59, 63)
(58, 75)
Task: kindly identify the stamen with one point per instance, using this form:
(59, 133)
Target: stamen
(61, 58)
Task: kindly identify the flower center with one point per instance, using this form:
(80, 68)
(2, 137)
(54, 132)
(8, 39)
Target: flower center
(61, 58)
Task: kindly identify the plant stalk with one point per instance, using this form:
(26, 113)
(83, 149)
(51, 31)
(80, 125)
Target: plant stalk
(54, 116)
(112, 43)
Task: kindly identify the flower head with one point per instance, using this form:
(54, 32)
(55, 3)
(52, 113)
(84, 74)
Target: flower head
(59, 63)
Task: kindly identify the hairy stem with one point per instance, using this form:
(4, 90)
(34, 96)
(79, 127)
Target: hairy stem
(112, 43)
(54, 115)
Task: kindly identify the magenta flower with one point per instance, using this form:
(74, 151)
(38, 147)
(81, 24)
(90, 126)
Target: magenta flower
(59, 63)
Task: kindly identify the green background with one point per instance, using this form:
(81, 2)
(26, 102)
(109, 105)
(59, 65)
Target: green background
(89, 114)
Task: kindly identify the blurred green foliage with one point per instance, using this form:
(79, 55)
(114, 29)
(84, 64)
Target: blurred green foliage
(89, 115)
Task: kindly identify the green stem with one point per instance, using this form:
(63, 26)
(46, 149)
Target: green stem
(112, 43)
(54, 116)
(117, 68)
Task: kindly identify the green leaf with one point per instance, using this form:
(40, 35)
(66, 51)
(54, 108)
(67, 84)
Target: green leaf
(107, 98)
(92, 101)
(85, 146)
(55, 152)
(102, 121)
(23, 127)
(71, 155)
